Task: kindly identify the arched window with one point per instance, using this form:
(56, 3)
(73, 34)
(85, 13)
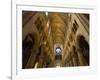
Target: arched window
(75, 27)
(58, 55)
(58, 51)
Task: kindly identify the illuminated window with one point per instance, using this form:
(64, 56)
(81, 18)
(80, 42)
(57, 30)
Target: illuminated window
(58, 51)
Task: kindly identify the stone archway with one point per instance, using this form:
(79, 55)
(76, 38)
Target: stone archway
(83, 49)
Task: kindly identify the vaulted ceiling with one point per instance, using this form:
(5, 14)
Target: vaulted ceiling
(58, 27)
(49, 30)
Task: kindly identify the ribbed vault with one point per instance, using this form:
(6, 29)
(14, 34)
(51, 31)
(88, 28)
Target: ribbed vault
(44, 32)
(58, 27)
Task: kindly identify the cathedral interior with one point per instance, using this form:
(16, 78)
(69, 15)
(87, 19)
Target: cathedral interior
(55, 39)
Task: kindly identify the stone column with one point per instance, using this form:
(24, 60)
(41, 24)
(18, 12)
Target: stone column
(81, 58)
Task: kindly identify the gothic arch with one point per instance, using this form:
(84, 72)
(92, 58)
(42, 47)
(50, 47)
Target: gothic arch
(83, 47)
